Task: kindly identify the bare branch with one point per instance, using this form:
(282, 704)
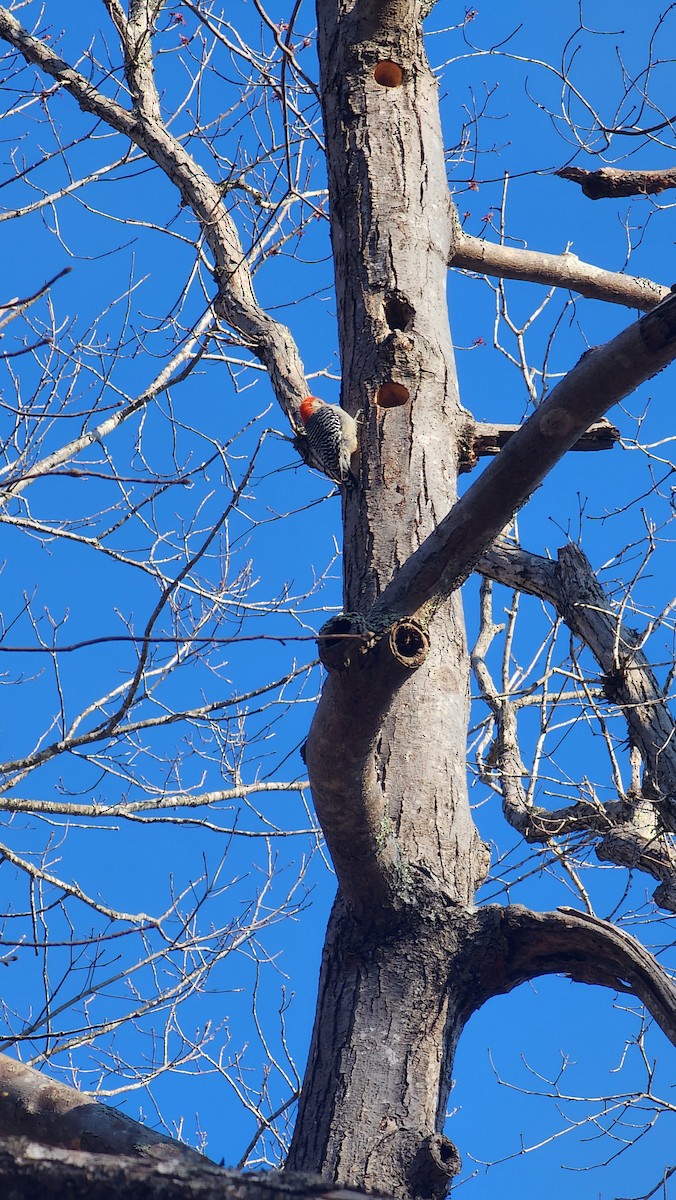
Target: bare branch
(615, 182)
(179, 366)
(18, 305)
(52, 1173)
(630, 682)
(236, 302)
(631, 829)
(576, 944)
(484, 439)
(557, 270)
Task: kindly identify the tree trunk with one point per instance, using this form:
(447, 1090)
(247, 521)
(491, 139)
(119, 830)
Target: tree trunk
(379, 1071)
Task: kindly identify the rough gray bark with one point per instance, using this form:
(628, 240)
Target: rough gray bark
(390, 210)
(406, 960)
(425, 977)
(33, 1171)
(389, 786)
(379, 1057)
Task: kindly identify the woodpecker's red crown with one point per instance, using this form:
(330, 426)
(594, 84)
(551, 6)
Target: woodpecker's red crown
(308, 407)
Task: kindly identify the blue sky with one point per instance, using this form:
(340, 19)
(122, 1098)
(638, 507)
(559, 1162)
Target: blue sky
(129, 228)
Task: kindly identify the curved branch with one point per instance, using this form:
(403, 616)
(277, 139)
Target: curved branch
(236, 302)
(523, 945)
(630, 683)
(342, 765)
(630, 831)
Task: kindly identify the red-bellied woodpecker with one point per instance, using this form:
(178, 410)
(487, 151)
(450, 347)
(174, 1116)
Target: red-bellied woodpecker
(332, 434)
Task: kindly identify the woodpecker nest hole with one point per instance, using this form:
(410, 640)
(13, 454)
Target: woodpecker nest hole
(399, 313)
(409, 643)
(342, 638)
(392, 395)
(388, 74)
(435, 1164)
